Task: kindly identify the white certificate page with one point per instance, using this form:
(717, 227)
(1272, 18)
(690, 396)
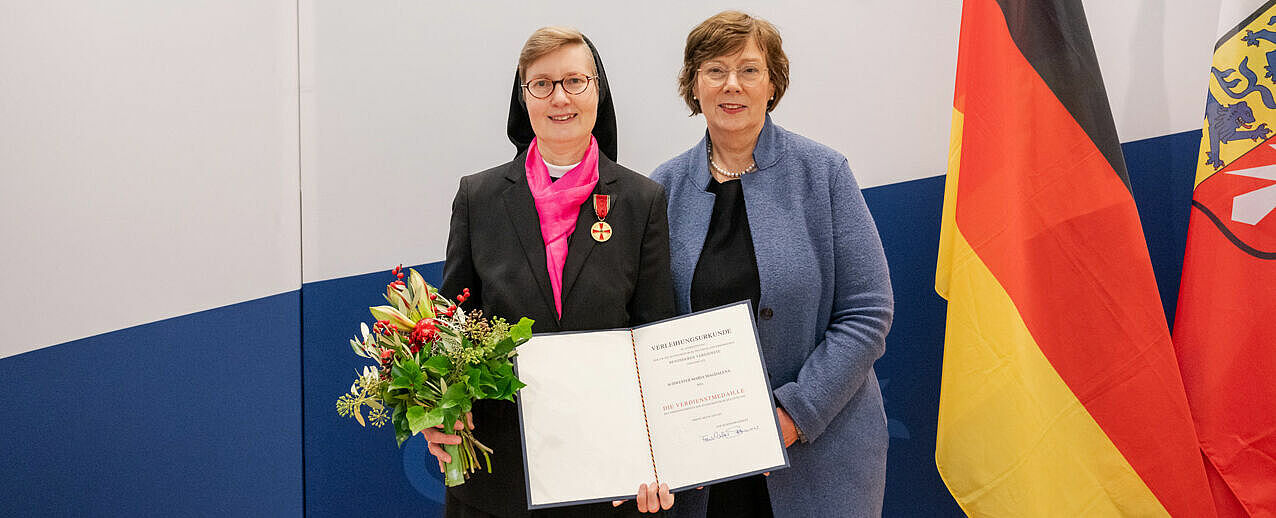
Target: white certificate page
(708, 403)
(583, 432)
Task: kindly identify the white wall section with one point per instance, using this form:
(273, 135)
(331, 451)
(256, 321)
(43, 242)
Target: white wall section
(1233, 12)
(150, 151)
(148, 162)
(1155, 56)
(402, 99)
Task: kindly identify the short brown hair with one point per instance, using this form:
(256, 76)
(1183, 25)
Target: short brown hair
(546, 40)
(726, 33)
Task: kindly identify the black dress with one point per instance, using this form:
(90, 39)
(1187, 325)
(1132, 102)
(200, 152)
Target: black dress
(727, 272)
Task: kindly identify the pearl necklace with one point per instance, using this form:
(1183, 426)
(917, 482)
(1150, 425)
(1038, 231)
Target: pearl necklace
(729, 174)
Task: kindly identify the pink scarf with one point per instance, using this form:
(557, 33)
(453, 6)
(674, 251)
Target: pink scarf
(558, 204)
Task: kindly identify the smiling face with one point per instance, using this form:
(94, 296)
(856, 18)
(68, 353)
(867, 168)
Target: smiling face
(562, 119)
(735, 107)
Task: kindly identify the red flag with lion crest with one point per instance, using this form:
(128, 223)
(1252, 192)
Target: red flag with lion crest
(1223, 334)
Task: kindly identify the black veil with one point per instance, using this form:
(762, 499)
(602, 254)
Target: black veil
(519, 125)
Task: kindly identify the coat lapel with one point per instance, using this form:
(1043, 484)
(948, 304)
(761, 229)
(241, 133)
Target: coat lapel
(521, 209)
(764, 200)
(690, 209)
(581, 244)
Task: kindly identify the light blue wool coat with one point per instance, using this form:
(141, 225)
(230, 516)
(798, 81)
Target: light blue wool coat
(825, 310)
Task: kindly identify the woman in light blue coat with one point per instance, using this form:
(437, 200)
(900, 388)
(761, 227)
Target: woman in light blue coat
(758, 212)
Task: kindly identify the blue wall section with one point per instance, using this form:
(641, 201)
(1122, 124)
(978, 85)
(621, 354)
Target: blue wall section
(340, 455)
(191, 416)
(907, 216)
(1162, 174)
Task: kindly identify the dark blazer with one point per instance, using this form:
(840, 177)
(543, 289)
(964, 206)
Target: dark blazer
(495, 249)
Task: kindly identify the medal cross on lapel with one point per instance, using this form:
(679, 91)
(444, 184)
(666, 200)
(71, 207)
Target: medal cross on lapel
(601, 231)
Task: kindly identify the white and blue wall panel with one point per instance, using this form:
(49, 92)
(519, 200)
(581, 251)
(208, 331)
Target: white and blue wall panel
(150, 346)
(200, 201)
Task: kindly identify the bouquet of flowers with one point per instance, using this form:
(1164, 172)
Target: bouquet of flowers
(433, 360)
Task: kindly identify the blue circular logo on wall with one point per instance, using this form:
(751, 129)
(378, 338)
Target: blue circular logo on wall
(422, 469)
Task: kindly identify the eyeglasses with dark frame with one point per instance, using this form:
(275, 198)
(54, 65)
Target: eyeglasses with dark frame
(715, 74)
(574, 84)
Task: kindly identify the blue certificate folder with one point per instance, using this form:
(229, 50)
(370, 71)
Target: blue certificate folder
(684, 401)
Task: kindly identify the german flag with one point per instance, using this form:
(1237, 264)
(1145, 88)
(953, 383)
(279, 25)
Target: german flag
(1061, 394)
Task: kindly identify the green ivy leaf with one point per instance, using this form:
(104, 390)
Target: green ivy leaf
(503, 347)
(522, 331)
(451, 416)
(502, 386)
(456, 395)
(438, 365)
(515, 386)
(400, 422)
(504, 370)
(473, 375)
(473, 382)
(442, 416)
(482, 383)
(506, 382)
(406, 375)
(419, 419)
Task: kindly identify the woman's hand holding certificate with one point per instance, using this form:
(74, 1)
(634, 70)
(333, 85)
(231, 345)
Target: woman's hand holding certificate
(684, 400)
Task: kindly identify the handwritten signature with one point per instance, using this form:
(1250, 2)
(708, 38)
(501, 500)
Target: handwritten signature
(729, 433)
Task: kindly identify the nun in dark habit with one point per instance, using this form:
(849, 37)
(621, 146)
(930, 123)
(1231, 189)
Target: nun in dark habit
(525, 241)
